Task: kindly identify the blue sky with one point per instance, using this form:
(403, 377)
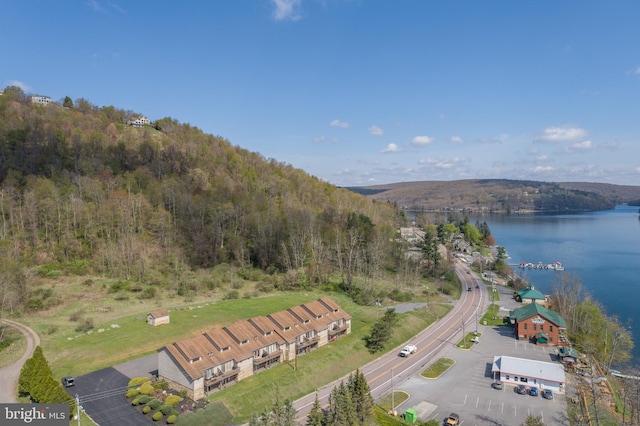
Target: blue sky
(358, 92)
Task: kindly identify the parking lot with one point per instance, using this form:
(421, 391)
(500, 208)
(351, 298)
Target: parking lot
(102, 392)
(466, 388)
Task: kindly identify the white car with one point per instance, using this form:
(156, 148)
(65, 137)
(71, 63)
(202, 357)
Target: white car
(408, 350)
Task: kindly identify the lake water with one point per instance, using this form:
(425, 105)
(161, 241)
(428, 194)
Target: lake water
(601, 248)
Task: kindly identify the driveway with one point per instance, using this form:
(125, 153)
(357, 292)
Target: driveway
(9, 374)
(102, 393)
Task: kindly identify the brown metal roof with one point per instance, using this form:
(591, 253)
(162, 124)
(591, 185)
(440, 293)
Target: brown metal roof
(238, 341)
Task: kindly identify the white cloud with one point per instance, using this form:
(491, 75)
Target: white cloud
(422, 140)
(637, 71)
(25, 87)
(319, 139)
(580, 146)
(338, 123)
(375, 130)
(563, 134)
(456, 139)
(286, 10)
(637, 169)
(392, 147)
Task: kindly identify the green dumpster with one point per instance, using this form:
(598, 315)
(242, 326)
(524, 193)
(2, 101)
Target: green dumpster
(410, 415)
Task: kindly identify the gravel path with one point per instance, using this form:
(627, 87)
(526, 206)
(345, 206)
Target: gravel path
(9, 374)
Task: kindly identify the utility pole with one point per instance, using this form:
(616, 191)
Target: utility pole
(393, 405)
(78, 408)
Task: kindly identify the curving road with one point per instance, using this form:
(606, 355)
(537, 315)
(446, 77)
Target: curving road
(9, 374)
(390, 369)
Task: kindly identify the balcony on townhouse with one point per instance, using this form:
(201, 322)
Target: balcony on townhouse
(221, 378)
(305, 344)
(337, 330)
(266, 359)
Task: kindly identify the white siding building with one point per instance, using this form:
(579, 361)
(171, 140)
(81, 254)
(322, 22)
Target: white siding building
(528, 372)
(41, 100)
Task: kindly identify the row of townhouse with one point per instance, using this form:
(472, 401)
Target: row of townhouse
(221, 356)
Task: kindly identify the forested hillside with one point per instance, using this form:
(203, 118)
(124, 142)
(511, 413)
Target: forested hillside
(503, 195)
(83, 190)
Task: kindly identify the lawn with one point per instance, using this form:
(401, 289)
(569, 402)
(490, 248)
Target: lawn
(438, 368)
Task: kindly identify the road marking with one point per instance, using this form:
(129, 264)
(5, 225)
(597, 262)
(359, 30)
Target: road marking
(477, 402)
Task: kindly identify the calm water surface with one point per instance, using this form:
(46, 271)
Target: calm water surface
(601, 248)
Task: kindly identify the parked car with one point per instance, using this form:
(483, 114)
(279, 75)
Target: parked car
(408, 350)
(468, 288)
(453, 419)
(547, 394)
(533, 391)
(521, 389)
(497, 385)
(68, 381)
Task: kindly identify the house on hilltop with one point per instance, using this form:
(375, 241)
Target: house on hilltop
(139, 122)
(222, 356)
(40, 100)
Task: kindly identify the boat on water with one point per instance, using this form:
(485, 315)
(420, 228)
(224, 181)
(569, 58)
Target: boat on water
(555, 266)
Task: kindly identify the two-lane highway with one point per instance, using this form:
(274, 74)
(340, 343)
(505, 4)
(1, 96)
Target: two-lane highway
(390, 369)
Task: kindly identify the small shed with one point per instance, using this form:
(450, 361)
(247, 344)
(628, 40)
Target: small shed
(157, 318)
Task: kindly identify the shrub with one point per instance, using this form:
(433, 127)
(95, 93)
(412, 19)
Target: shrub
(76, 316)
(265, 287)
(230, 295)
(146, 389)
(172, 419)
(146, 409)
(132, 393)
(161, 384)
(172, 400)
(154, 404)
(143, 399)
(157, 416)
(135, 402)
(137, 381)
(148, 293)
(167, 410)
(85, 326)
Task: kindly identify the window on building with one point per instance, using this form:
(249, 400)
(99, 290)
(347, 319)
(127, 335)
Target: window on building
(524, 379)
(525, 326)
(550, 328)
(535, 327)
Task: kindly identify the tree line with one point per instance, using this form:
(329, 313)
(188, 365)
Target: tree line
(81, 189)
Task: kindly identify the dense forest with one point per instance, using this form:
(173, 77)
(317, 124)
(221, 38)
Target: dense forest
(83, 189)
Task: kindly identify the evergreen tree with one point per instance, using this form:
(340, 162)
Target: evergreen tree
(381, 331)
(316, 416)
(341, 411)
(67, 103)
(361, 397)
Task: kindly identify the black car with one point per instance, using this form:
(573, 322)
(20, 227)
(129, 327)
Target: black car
(547, 394)
(68, 381)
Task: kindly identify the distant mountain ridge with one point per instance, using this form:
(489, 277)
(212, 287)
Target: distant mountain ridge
(502, 195)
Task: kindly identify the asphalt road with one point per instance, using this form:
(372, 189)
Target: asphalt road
(438, 338)
(9, 374)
